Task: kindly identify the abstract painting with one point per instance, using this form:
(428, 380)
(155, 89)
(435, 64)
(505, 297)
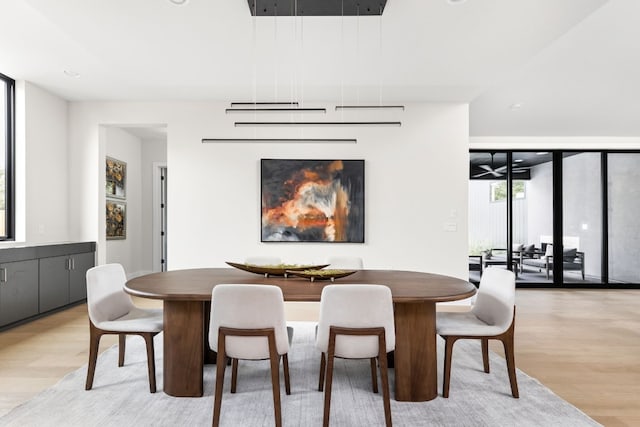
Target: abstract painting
(312, 200)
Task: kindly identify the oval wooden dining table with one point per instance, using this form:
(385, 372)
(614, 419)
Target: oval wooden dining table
(186, 296)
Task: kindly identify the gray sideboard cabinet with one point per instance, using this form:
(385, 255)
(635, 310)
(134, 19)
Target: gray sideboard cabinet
(37, 279)
(18, 290)
(62, 279)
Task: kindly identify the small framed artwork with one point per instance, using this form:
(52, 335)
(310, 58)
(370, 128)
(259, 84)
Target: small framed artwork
(116, 220)
(116, 178)
(312, 200)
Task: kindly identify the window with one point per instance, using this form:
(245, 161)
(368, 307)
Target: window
(7, 99)
(499, 190)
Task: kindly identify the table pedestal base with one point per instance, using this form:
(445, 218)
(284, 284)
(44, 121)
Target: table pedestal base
(416, 365)
(184, 348)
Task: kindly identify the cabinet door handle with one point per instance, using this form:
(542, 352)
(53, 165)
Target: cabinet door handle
(73, 263)
(68, 262)
(3, 277)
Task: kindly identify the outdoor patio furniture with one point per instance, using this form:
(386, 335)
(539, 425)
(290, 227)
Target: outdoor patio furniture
(572, 260)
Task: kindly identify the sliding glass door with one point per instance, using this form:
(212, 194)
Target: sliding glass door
(624, 217)
(487, 212)
(582, 217)
(557, 218)
(532, 218)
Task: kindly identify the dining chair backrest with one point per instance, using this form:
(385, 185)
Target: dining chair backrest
(345, 262)
(263, 260)
(248, 307)
(106, 299)
(356, 306)
(496, 297)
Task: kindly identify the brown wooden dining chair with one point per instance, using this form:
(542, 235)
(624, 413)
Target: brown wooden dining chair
(356, 322)
(239, 314)
(492, 317)
(111, 312)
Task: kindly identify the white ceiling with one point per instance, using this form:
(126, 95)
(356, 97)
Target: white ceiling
(572, 64)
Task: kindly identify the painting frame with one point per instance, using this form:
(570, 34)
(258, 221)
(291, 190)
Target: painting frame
(116, 219)
(312, 200)
(115, 178)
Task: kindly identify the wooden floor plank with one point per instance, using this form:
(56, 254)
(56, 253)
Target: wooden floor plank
(583, 344)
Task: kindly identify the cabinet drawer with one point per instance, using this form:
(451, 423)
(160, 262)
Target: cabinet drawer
(18, 291)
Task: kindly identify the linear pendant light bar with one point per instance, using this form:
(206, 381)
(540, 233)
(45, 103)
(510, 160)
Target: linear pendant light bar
(275, 110)
(316, 7)
(276, 140)
(237, 104)
(261, 124)
(369, 107)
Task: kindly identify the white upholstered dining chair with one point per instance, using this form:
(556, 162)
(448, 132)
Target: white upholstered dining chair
(248, 322)
(345, 262)
(356, 322)
(492, 317)
(111, 312)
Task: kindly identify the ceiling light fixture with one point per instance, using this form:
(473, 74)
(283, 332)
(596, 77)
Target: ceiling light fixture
(277, 140)
(178, 2)
(369, 107)
(380, 105)
(316, 8)
(71, 73)
(276, 110)
(273, 124)
(237, 104)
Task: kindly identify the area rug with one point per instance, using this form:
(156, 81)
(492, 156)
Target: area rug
(120, 396)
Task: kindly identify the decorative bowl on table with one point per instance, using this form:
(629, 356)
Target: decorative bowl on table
(275, 270)
(316, 274)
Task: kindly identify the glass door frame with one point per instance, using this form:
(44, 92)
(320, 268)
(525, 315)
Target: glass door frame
(557, 208)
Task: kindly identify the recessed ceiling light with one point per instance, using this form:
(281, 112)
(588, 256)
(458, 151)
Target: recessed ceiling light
(178, 2)
(456, 1)
(515, 106)
(71, 73)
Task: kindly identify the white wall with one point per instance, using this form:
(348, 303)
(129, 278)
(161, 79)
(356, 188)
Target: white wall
(416, 182)
(42, 167)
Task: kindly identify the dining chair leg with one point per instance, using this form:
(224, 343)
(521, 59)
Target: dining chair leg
(511, 365)
(234, 374)
(275, 377)
(384, 377)
(448, 349)
(323, 367)
(374, 374)
(94, 343)
(485, 354)
(221, 363)
(122, 340)
(285, 367)
(509, 354)
(151, 361)
(329, 377)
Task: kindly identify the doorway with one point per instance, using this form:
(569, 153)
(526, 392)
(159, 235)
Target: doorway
(160, 217)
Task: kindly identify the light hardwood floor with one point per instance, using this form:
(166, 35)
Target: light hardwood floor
(583, 344)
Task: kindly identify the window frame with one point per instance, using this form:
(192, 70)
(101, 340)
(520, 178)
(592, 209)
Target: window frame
(9, 149)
